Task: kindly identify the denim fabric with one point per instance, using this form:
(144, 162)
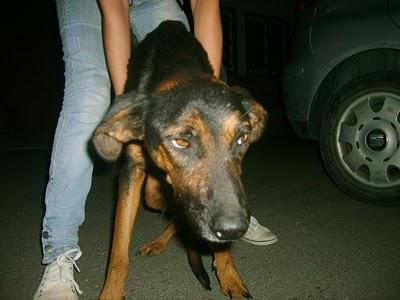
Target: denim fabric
(145, 16)
(86, 100)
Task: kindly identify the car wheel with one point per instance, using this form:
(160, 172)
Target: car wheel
(360, 138)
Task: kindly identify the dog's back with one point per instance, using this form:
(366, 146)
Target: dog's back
(170, 49)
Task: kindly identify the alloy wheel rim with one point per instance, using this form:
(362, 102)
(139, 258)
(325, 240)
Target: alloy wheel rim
(367, 139)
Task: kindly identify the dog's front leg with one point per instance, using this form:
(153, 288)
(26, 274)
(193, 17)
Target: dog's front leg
(159, 245)
(130, 184)
(231, 283)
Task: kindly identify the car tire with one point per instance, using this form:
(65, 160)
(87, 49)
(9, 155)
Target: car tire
(360, 138)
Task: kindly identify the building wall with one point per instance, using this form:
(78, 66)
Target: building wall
(279, 10)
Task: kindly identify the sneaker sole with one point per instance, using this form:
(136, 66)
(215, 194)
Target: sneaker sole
(260, 243)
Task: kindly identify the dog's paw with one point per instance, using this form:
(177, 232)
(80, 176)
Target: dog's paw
(232, 285)
(235, 289)
(152, 249)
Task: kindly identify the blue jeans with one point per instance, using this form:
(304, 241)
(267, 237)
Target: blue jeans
(86, 100)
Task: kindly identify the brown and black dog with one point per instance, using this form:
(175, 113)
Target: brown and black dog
(178, 119)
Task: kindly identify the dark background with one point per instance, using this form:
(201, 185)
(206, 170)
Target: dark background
(33, 63)
(34, 82)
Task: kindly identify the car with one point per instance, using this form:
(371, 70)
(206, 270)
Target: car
(342, 87)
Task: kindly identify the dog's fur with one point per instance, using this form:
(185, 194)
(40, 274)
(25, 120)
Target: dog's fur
(179, 118)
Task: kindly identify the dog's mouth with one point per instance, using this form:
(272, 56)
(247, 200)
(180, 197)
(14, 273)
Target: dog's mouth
(206, 226)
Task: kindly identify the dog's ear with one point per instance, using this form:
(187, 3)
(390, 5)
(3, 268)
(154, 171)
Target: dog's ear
(258, 116)
(123, 123)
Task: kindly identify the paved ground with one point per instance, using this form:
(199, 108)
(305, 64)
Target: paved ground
(330, 246)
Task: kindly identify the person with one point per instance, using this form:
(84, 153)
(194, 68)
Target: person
(96, 46)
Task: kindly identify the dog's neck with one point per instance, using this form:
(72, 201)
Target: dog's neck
(168, 50)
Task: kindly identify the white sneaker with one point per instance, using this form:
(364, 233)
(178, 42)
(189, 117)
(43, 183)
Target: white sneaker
(258, 234)
(58, 279)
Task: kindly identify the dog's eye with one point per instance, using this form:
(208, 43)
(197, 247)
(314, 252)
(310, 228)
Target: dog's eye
(180, 143)
(243, 139)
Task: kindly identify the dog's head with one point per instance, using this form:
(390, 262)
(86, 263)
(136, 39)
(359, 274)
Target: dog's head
(197, 132)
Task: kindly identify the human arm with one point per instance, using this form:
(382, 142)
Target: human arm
(208, 30)
(117, 42)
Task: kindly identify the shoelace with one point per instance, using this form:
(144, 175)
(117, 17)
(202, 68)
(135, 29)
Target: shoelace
(65, 275)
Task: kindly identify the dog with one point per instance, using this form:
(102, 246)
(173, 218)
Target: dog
(181, 126)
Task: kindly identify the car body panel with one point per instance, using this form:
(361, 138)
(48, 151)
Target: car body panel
(394, 11)
(326, 36)
(301, 65)
(341, 29)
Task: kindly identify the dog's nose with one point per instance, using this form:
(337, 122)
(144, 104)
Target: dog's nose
(228, 228)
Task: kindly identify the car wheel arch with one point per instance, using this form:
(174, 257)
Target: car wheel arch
(353, 67)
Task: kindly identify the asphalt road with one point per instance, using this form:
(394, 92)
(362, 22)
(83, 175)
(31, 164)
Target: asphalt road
(330, 246)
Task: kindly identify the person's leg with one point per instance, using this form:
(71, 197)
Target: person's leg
(146, 15)
(86, 100)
